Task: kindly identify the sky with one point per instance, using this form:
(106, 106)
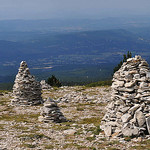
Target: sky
(46, 9)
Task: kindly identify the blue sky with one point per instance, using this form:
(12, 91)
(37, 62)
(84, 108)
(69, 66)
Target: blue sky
(45, 9)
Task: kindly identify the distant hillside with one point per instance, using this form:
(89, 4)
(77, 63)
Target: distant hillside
(104, 43)
(69, 25)
(51, 52)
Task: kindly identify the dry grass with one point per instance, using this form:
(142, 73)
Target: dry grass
(23, 124)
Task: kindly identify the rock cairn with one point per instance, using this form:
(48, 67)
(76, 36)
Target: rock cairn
(26, 90)
(128, 113)
(51, 112)
(45, 86)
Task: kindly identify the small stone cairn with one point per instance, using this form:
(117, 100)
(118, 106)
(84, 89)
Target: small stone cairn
(26, 90)
(128, 113)
(45, 86)
(51, 112)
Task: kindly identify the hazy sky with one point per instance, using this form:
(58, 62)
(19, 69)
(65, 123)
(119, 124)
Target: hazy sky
(44, 9)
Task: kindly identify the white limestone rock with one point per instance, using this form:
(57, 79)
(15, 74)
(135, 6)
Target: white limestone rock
(140, 118)
(70, 132)
(126, 117)
(108, 130)
(148, 124)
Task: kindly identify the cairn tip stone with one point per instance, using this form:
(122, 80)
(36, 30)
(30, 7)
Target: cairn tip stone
(45, 86)
(129, 109)
(26, 90)
(51, 112)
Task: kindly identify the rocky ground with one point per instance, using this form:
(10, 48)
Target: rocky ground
(83, 107)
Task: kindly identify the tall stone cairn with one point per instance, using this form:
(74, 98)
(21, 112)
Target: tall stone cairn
(26, 90)
(50, 112)
(128, 113)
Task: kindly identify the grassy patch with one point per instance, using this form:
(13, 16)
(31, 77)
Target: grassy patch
(63, 106)
(97, 130)
(100, 83)
(20, 127)
(49, 147)
(80, 89)
(4, 91)
(29, 145)
(33, 136)
(19, 117)
(8, 108)
(2, 127)
(145, 145)
(112, 148)
(127, 138)
(95, 120)
(74, 145)
(62, 126)
(3, 100)
(90, 138)
(103, 139)
(114, 142)
(80, 109)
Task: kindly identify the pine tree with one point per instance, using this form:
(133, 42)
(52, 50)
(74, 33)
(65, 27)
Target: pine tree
(125, 57)
(53, 81)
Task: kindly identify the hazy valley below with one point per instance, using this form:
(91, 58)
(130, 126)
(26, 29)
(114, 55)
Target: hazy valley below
(74, 50)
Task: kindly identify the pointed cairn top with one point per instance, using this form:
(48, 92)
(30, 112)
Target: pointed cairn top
(23, 64)
(24, 68)
(50, 103)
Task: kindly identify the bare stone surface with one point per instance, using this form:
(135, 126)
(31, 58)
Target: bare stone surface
(21, 130)
(70, 132)
(148, 124)
(26, 90)
(126, 117)
(140, 118)
(108, 130)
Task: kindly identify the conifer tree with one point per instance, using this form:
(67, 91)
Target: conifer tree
(125, 57)
(53, 81)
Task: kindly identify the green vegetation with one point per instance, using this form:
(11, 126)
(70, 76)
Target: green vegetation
(97, 130)
(80, 109)
(125, 57)
(19, 117)
(94, 120)
(49, 147)
(127, 138)
(33, 136)
(142, 145)
(90, 138)
(99, 83)
(6, 86)
(29, 145)
(2, 127)
(53, 81)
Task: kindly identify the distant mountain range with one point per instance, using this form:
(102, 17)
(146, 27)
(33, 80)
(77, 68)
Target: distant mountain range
(47, 50)
(107, 44)
(71, 25)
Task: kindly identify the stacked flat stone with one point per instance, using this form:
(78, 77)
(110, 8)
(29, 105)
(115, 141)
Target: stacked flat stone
(128, 113)
(26, 90)
(51, 112)
(45, 86)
